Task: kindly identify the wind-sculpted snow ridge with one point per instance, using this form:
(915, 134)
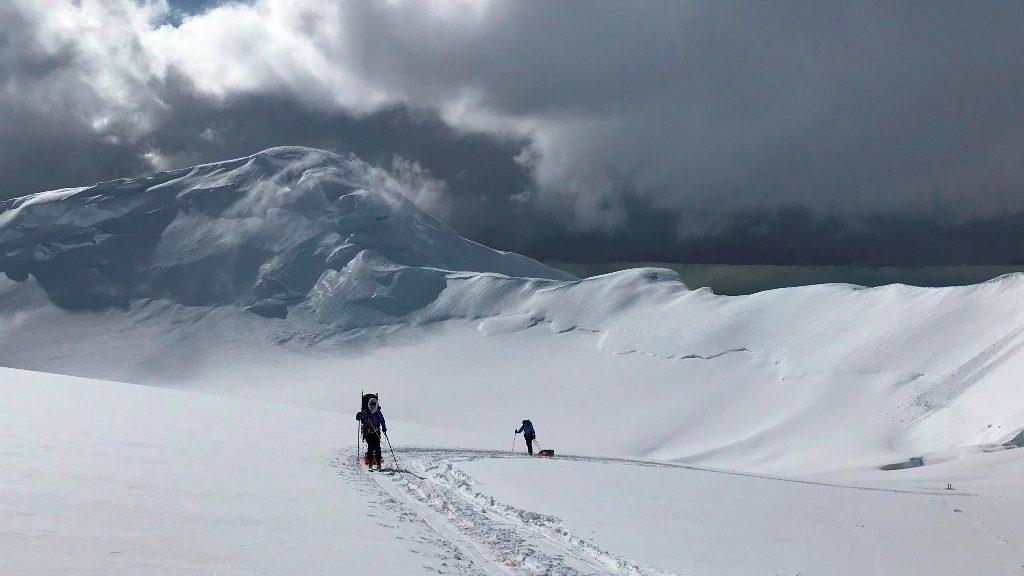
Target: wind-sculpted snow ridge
(256, 231)
(801, 331)
(924, 368)
(912, 369)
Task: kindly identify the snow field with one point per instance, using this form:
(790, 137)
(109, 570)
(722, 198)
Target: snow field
(727, 435)
(706, 522)
(103, 477)
(301, 276)
(477, 378)
(115, 479)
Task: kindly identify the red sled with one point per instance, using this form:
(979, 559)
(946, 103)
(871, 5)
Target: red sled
(546, 453)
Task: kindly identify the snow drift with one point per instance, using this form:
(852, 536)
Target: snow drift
(151, 276)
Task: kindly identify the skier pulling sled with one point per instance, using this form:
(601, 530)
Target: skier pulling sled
(530, 435)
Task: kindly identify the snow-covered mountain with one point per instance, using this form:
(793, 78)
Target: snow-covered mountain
(154, 280)
(720, 435)
(258, 231)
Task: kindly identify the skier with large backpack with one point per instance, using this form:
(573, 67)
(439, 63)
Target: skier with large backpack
(529, 434)
(372, 420)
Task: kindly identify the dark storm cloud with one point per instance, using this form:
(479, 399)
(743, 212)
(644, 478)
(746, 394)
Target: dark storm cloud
(793, 236)
(46, 140)
(794, 131)
(840, 107)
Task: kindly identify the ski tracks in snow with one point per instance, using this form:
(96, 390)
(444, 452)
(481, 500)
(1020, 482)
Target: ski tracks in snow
(958, 381)
(474, 533)
(443, 551)
(470, 532)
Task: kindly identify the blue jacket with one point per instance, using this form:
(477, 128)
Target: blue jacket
(526, 429)
(372, 420)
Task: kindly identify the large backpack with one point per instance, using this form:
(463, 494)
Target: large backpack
(366, 398)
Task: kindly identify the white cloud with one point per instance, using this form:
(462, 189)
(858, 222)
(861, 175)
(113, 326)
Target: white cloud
(298, 47)
(109, 84)
(411, 180)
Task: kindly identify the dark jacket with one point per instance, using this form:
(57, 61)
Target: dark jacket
(527, 429)
(372, 421)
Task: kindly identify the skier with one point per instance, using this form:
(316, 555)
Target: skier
(529, 434)
(373, 423)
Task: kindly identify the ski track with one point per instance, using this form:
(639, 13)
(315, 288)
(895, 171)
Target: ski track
(955, 383)
(473, 454)
(472, 533)
(442, 552)
(495, 538)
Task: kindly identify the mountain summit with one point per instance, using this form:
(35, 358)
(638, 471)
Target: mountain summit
(258, 231)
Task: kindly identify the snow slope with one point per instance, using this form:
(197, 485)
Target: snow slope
(154, 280)
(269, 291)
(107, 478)
(937, 372)
(692, 521)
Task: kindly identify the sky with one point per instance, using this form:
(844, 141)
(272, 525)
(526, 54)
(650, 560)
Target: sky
(733, 132)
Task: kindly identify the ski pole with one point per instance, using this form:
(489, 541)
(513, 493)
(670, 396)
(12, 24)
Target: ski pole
(392, 449)
(359, 445)
(514, 438)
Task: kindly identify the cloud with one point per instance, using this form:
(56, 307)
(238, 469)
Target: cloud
(547, 121)
(701, 108)
(49, 108)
